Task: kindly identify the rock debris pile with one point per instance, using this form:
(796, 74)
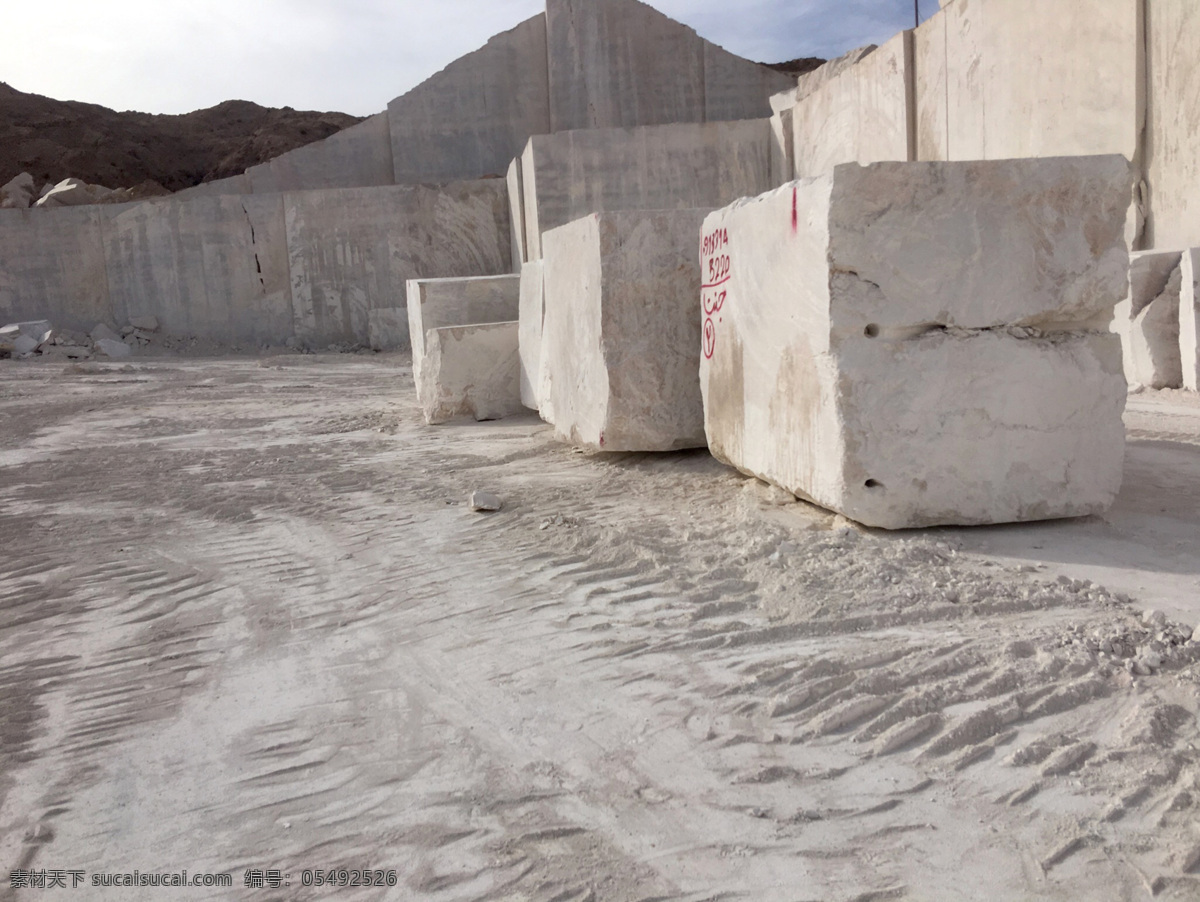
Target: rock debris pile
(21, 194)
(39, 338)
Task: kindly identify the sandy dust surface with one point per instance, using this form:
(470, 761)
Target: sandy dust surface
(247, 621)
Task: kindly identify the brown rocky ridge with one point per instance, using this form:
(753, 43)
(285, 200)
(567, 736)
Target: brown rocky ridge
(56, 139)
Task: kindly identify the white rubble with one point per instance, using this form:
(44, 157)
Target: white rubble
(18, 193)
(23, 339)
(40, 330)
(1148, 320)
(434, 303)
(111, 347)
(912, 344)
(470, 371)
(1189, 319)
(621, 337)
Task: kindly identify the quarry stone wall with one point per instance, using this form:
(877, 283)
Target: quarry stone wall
(250, 269)
(52, 267)
(620, 63)
(582, 64)
(1172, 153)
(1011, 79)
(473, 117)
(862, 114)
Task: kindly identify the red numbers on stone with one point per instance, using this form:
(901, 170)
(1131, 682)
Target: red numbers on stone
(716, 269)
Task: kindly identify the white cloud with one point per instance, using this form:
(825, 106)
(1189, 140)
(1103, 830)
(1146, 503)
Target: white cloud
(348, 55)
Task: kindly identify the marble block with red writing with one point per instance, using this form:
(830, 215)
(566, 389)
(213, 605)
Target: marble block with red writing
(620, 344)
(912, 344)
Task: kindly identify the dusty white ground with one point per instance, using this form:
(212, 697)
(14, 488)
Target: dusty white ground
(246, 621)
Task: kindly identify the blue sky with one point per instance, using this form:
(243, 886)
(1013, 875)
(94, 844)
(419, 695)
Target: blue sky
(164, 56)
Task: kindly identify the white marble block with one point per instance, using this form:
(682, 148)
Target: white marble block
(434, 303)
(913, 344)
(1189, 319)
(621, 338)
(1148, 320)
(470, 371)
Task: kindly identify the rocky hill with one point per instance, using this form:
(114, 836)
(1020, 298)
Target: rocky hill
(54, 139)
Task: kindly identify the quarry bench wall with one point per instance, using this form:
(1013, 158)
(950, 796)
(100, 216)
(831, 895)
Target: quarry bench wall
(568, 175)
(253, 269)
(583, 64)
(1010, 79)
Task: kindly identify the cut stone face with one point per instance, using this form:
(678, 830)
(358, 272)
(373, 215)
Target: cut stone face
(434, 303)
(621, 337)
(388, 328)
(532, 311)
(470, 371)
(568, 175)
(1148, 320)
(913, 344)
(1189, 319)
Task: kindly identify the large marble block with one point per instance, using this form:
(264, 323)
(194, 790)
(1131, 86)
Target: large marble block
(1148, 320)
(434, 303)
(914, 344)
(470, 371)
(621, 338)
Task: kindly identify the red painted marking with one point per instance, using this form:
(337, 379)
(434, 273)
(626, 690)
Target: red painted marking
(718, 283)
(713, 305)
(795, 211)
(710, 338)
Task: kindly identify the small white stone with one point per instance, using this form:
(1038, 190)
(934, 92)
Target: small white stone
(485, 502)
